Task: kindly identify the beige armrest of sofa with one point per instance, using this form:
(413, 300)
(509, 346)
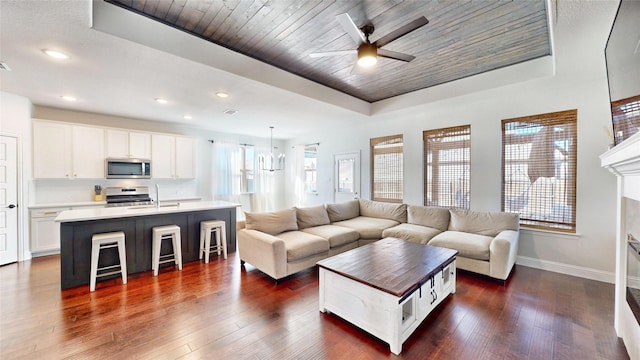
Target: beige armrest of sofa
(502, 253)
(266, 252)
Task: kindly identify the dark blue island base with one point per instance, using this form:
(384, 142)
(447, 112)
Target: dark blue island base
(75, 241)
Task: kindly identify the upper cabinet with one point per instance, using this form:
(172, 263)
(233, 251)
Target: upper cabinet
(128, 144)
(173, 157)
(64, 151)
(68, 151)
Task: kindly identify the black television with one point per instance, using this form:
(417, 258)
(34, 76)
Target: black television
(622, 55)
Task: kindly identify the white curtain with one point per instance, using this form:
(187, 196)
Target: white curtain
(225, 169)
(225, 173)
(299, 175)
(227, 178)
(265, 192)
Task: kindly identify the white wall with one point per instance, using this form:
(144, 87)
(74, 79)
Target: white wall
(15, 120)
(580, 83)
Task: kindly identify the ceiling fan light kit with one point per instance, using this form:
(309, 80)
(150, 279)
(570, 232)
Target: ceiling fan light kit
(367, 55)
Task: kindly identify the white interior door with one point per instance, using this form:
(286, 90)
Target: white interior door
(346, 179)
(8, 200)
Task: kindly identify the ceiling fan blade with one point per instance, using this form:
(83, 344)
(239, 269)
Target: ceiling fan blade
(395, 55)
(333, 53)
(351, 28)
(402, 31)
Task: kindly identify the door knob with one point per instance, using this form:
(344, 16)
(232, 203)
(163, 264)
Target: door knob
(11, 206)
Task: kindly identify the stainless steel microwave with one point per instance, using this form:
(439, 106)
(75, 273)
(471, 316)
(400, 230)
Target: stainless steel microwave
(128, 168)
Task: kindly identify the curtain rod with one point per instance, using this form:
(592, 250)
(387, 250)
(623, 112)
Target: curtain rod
(213, 142)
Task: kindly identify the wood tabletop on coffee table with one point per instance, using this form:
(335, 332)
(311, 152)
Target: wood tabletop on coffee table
(392, 265)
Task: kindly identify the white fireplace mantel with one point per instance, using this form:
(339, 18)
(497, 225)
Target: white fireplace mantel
(624, 161)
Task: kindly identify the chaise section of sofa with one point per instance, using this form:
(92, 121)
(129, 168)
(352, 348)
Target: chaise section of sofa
(487, 242)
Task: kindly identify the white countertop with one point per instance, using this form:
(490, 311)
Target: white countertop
(98, 203)
(123, 212)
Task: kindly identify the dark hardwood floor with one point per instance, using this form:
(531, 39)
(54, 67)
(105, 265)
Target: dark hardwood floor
(223, 311)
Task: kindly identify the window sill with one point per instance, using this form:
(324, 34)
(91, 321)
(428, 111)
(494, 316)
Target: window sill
(550, 233)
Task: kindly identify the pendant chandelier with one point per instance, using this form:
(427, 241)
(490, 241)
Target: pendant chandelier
(271, 162)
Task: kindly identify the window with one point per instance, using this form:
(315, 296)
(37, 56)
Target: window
(386, 168)
(539, 169)
(311, 168)
(626, 118)
(447, 164)
(247, 168)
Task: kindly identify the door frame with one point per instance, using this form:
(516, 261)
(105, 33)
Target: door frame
(24, 252)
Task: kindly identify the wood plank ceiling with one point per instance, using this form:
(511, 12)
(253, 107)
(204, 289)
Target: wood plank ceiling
(463, 38)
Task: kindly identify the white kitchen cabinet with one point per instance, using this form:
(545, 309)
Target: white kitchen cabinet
(51, 150)
(128, 144)
(173, 157)
(64, 151)
(185, 158)
(45, 232)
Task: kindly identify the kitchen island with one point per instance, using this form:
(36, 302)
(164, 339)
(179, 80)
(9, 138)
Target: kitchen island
(78, 226)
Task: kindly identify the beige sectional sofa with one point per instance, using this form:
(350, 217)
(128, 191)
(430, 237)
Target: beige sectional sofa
(284, 242)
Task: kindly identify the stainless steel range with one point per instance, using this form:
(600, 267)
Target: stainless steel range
(128, 196)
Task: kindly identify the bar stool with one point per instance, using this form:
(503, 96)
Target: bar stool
(160, 233)
(206, 228)
(106, 241)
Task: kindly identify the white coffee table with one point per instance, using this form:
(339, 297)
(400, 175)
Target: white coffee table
(387, 288)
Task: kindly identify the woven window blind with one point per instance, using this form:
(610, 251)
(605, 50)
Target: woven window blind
(539, 169)
(447, 164)
(387, 168)
(626, 117)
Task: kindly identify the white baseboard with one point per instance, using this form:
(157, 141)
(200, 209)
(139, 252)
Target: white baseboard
(572, 270)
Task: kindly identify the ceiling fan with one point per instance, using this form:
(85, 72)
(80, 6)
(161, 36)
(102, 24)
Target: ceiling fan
(368, 52)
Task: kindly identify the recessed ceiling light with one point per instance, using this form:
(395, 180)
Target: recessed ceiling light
(56, 54)
(187, 117)
(161, 100)
(222, 94)
(68, 98)
(230, 112)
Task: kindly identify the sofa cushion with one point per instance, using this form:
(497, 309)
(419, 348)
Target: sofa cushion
(471, 246)
(272, 223)
(482, 222)
(312, 216)
(383, 210)
(300, 244)
(368, 227)
(431, 216)
(343, 211)
(415, 233)
(337, 235)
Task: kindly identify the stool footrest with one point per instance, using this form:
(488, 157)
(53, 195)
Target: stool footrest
(109, 245)
(109, 273)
